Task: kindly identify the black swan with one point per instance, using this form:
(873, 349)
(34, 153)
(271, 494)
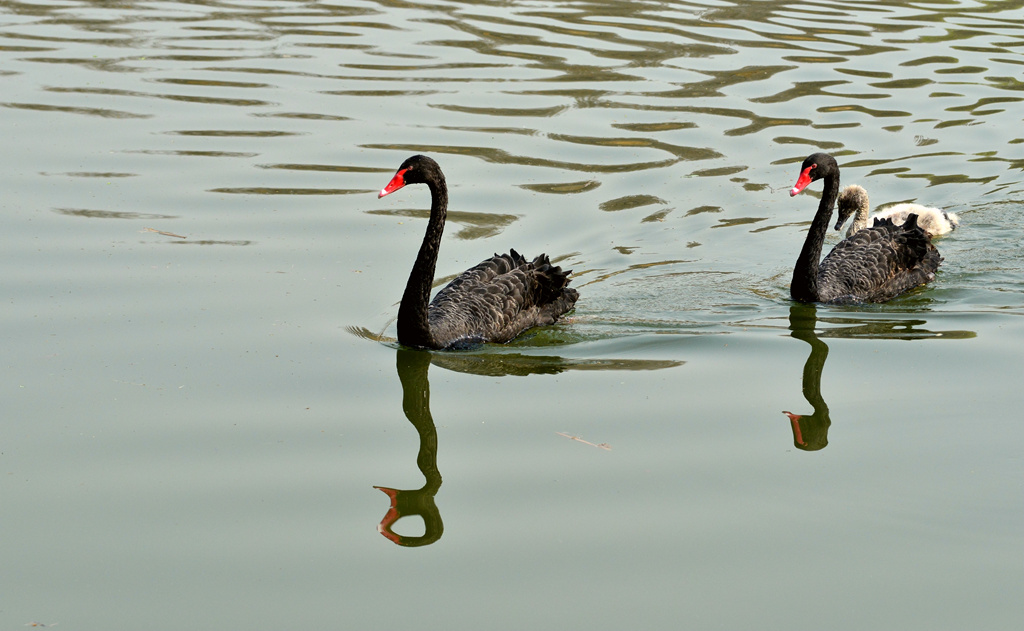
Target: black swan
(492, 302)
(853, 201)
(874, 265)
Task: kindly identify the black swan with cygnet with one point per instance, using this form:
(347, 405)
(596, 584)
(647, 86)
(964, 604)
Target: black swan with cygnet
(874, 265)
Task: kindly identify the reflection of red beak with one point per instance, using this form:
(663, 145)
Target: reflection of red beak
(392, 515)
(802, 181)
(794, 420)
(396, 183)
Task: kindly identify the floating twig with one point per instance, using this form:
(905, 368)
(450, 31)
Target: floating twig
(166, 234)
(604, 446)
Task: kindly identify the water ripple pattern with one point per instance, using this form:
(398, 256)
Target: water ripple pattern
(203, 398)
(653, 137)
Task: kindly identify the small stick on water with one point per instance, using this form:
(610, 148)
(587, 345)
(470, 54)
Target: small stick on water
(166, 234)
(604, 446)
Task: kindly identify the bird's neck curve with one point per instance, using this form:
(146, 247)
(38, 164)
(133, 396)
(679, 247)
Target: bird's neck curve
(860, 220)
(413, 323)
(804, 286)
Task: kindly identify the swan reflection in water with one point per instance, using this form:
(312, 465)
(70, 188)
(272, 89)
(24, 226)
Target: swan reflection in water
(810, 431)
(412, 372)
(413, 366)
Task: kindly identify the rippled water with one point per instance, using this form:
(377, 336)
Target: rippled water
(201, 388)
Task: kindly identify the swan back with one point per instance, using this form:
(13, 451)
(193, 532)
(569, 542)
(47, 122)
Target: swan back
(498, 299)
(878, 263)
(853, 202)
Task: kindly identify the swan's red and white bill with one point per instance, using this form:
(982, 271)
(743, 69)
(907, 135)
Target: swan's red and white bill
(396, 183)
(802, 181)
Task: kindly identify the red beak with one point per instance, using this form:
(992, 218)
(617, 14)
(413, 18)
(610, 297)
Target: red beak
(396, 183)
(802, 181)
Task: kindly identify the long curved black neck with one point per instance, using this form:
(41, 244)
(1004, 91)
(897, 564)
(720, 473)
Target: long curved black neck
(413, 325)
(804, 286)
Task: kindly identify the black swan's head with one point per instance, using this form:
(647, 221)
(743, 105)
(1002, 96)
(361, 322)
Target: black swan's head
(415, 170)
(815, 167)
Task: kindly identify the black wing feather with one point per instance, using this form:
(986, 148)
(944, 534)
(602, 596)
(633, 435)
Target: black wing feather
(879, 263)
(498, 299)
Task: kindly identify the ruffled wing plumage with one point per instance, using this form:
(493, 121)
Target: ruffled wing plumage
(878, 263)
(498, 299)
(934, 221)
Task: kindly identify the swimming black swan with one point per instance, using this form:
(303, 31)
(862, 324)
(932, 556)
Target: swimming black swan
(874, 265)
(853, 200)
(492, 302)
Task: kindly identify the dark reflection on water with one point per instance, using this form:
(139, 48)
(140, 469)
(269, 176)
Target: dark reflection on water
(87, 213)
(412, 371)
(470, 225)
(908, 329)
(496, 360)
(810, 431)
(413, 366)
(518, 364)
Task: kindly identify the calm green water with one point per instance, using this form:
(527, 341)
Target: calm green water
(193, 425)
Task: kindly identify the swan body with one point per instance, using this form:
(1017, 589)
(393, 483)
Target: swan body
(874, 265)
(492, 302)
(853, 201)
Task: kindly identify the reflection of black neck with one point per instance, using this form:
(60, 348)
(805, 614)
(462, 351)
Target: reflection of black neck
(810, 432)
(412, 371)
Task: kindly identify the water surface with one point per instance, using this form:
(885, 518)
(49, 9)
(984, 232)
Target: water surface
(201, 388)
